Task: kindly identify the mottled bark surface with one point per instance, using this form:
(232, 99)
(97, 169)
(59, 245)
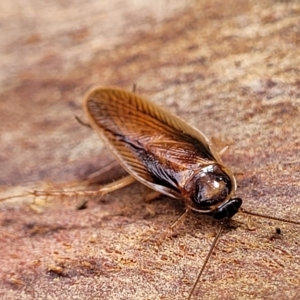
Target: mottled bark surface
(230, 68)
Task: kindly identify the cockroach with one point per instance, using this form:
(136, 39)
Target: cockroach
(166, 154)
(163, 152)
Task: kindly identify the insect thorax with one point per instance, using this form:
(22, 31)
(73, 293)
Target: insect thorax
(210, 187)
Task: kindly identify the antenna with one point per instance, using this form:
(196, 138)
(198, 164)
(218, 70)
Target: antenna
(242, 210)
(206, 260)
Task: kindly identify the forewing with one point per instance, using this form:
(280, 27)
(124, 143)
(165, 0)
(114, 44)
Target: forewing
(154, 146)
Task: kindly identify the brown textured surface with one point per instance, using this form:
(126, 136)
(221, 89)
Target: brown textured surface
(230, 69)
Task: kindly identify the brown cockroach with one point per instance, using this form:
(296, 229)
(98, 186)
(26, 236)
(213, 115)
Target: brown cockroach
(164, 153)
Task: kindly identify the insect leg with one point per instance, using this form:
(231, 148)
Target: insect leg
(171, 228)
(97, 175)
(118, 184)
(182, 217)
(223, 150)
(82, 123)
(13, 197)
(105, 189)
(249, 224)
(134, 87)
(151, 196)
